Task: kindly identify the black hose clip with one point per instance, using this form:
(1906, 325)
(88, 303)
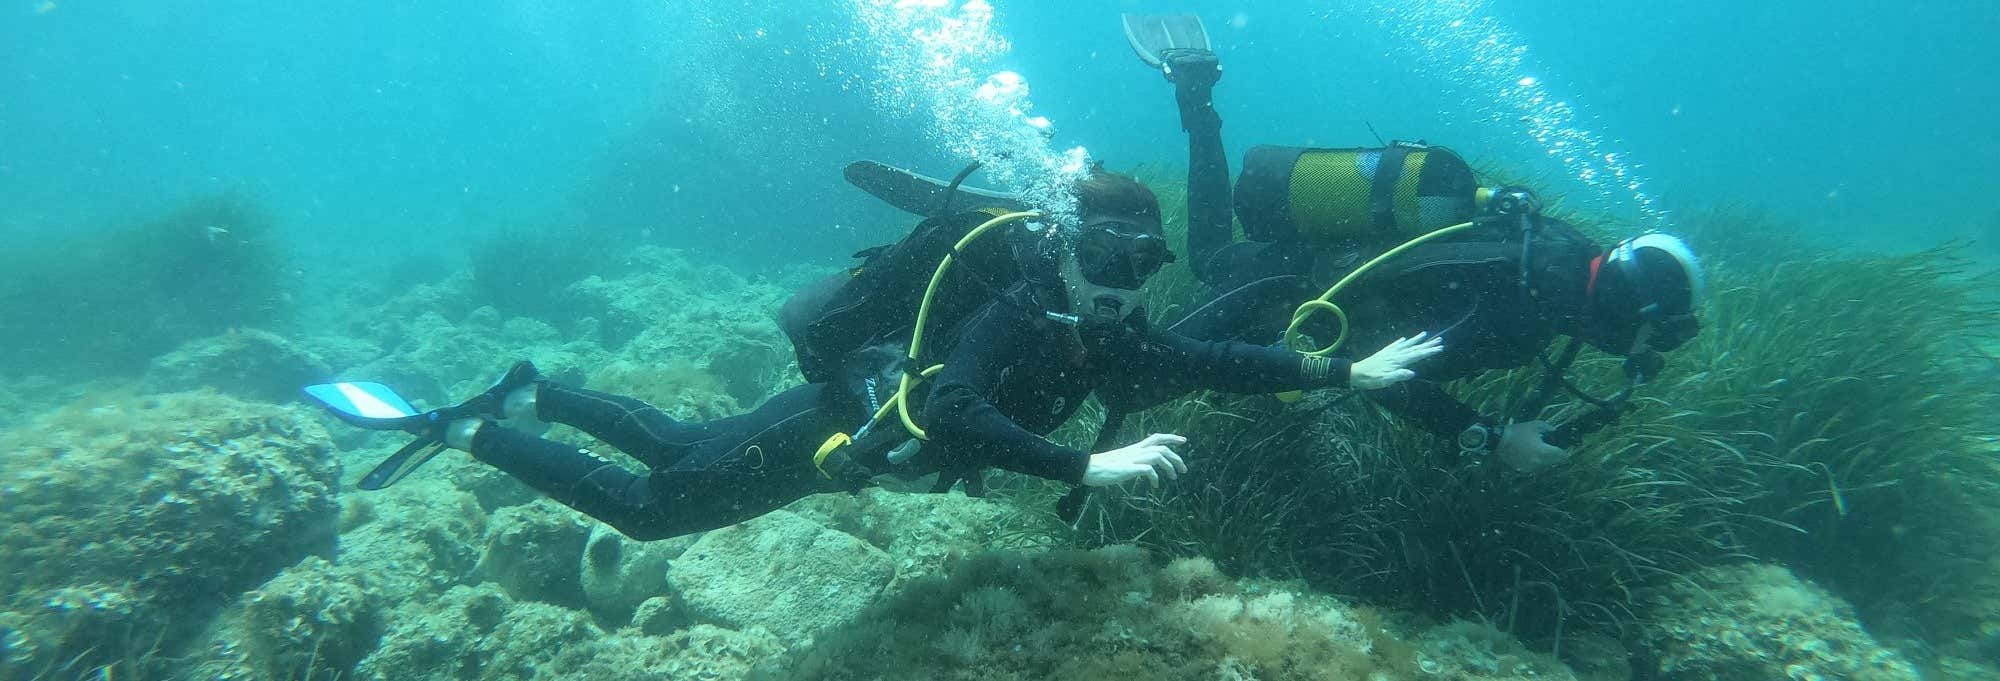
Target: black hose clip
(1515, 200)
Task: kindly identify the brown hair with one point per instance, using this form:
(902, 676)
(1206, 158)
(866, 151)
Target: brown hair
(1109, 194)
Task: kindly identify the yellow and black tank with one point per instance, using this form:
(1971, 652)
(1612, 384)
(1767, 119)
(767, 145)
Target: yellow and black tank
(1392, 193)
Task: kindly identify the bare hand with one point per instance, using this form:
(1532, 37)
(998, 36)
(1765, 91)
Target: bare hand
(1151, 458)
(1522, 446)
(1390, 365)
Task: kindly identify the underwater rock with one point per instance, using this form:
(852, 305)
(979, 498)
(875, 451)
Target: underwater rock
(921, 532)
(474, 632)
(782, 572)
(1762, 622)
(1113, 614)
(314, 620)
(246, 363)
(438, 361)
(672, 309)
(703, 651)
(535, 551)
(123, 514)
(494, 488)
(678, 387)
(620, 574)
(417, 539)
(658, 616)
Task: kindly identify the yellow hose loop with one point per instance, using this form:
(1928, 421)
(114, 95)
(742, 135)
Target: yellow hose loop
(825, 448)
(902, 400)
(1296, 340)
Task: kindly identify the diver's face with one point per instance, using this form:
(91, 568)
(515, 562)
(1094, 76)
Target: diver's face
(1645, 333)
(1120, 252)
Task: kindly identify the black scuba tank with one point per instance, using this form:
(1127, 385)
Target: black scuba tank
(875, 302)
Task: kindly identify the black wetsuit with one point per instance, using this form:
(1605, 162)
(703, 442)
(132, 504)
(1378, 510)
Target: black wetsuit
(1010, 377)
(1470, 292)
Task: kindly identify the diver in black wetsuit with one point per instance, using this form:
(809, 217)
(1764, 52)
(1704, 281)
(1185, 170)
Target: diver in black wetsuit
(1014, 370)
(1493, 309)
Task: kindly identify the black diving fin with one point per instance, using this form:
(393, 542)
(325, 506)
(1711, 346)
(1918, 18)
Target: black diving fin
(919, 194)
(1152, 35)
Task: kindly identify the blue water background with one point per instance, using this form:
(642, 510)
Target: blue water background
(378, 131)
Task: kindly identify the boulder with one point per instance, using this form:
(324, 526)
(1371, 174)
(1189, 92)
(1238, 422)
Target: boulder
(1763, 622)
(620, 574)
(417, 539)
(789, 575)
(921, 532)
(474, 632)
(246, 363)
(125, 514)
(314, 620)
(535, 551)
(700, 652)
(1115, 613)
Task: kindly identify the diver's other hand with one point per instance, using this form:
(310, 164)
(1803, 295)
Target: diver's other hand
(1390, 365)
(1523, 446)
(1188, 67)
(1151, 458)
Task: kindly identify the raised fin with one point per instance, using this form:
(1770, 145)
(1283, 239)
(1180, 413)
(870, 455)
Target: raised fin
(1152, 34)
(919, 194)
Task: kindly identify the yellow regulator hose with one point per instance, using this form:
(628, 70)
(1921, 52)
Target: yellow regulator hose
(1324, 303)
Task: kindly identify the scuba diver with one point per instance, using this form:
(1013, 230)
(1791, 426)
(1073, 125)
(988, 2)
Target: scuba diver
(1030, 319)
(1482, 268)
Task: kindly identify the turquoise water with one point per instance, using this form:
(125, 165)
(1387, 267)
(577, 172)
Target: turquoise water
(206, 204)
(381, 119)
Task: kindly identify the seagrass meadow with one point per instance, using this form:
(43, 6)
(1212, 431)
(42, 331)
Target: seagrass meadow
(1835, 417)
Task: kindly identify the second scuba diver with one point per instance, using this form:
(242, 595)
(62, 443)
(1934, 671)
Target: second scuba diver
(1499, 285)
(1057, 316)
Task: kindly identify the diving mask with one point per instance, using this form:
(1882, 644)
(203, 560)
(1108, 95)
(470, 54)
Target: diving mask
(1120, 253)
(1108, 262)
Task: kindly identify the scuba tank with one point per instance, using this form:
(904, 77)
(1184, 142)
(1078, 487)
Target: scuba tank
(1382, 194)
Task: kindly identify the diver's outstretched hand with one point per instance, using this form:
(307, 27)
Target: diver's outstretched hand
(1151, 458)
(1525, 447)
(1390, 365)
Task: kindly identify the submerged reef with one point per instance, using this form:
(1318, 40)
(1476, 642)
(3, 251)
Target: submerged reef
(1805, 454)
(1761, 622)
(127, 520)
(1113, 614)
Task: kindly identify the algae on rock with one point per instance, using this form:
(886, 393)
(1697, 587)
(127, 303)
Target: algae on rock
(314, 620)
(921, 532)
(1111, 613)
(534, 552)
(789, 575)
(1761, 622)
(247, 363)
(621, 575)
(130, 519)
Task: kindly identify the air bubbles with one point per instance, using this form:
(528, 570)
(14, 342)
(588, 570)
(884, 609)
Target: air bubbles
(1459, 41)
(939, 60)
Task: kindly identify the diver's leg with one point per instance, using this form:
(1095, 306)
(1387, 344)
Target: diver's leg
(649, 434)
(627, 423)
(725, 480)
